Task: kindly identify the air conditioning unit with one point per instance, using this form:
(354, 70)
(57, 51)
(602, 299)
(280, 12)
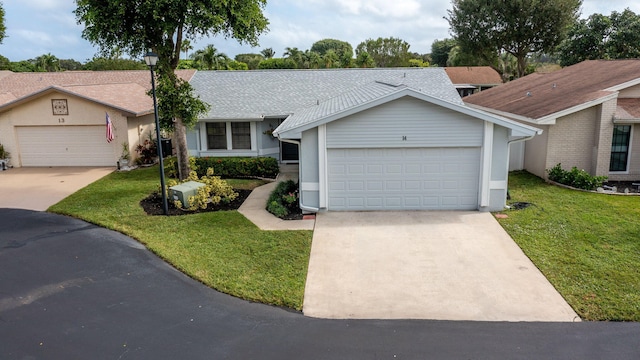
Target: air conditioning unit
(183, 191)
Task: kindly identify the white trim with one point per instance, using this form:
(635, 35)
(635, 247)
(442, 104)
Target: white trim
(618, 121)
(629, 152)
(323, 176)
(503, 113)
(253, 130)
(274, 150)
(624, 85)
(497, 184)
(203, 147)
(487, 157)
(461, 108)
(551, 118)
(309, 186)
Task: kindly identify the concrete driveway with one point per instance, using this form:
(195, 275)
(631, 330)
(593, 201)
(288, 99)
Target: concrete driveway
(39, 188)
(424, 265)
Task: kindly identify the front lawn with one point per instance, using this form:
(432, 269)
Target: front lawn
(222, 249)
(586, 244)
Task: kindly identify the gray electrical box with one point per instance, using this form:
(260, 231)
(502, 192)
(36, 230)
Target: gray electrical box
(183, 191)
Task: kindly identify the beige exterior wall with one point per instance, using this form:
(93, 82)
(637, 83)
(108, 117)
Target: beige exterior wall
(38, 112)
(139, 130)
(535, 153)
(631, 92)
(571, 140)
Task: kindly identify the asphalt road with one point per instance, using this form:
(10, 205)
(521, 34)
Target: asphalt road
(72, 290)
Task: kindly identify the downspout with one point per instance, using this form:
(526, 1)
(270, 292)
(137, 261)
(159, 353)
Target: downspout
(300, 200)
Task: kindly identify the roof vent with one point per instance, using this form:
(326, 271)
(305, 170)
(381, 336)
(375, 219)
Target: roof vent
(554, 85)
(528, 93)
(318, 102)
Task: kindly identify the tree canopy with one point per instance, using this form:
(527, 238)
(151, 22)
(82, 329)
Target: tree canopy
(386, 52)
(602, 37)
(3, 28)
(137, 25)
(342, 49)
(519, 27)
(440, 51)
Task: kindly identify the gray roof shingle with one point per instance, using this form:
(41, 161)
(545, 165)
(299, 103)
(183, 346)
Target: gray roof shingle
(256, 94)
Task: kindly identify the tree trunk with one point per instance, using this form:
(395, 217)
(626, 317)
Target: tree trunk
(182, 153)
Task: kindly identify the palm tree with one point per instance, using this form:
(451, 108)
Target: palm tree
(331, 59)
(364, 60)
(210, 58)
(185, 47)
(47, 62)
(268, 53)
(312, 60)
(295, 55)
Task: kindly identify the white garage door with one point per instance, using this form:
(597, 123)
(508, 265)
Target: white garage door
(403, 179)
(65, 146)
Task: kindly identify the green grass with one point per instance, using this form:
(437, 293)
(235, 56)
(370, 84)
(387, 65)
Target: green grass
(586, 244)
(222, 249)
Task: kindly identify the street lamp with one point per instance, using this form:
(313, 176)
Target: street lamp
(152, 59)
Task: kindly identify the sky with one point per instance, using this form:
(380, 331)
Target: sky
(37, 27)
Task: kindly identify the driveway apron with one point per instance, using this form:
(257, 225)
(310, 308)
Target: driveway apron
(37, 188)
(424, 265)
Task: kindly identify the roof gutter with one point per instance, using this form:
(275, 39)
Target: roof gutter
(301, 199)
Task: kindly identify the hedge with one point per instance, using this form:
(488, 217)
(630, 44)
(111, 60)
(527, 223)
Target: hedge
(238, 167)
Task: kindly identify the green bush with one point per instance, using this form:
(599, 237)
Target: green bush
(228, 167)
(284, 199)
(214, 191)
(576, 178)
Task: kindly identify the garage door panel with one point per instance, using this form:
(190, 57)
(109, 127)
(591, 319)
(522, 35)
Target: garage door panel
(64, 146)
(439, 178)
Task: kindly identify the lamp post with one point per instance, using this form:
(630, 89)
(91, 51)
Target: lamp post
(152, 59)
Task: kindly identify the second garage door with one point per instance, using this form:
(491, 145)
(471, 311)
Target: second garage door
(403, 179)
(64, 146)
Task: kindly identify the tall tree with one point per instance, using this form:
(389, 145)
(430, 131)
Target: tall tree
(104, 63)
(364, 60)
(519, 27)
(386, 52)
(210, 58)
(440, 51)
(5, 64)
(186, 46)
(342, 49)
(3, 28)
(70, 64)
(296, 55)
(602, 37)
(138, 25)
(268, 53)
(47, 63)
(252, 60)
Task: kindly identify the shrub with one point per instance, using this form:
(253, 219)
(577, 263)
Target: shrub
(238, 167)
(214, 191)
(283, 201)
(576, 178)
(147, 152)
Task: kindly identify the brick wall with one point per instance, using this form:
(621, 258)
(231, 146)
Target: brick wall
(571, 141)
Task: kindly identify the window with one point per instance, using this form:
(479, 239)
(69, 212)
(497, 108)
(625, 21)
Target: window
(217, 136)
(241, 135)
(228, 135)
(620, 148)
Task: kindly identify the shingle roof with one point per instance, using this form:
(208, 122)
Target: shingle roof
(476, 75)
(628, 109)
(125, 90)
(538, 95)
(254, 94)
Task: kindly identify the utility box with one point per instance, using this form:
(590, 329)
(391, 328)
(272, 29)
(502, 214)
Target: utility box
(183, 191)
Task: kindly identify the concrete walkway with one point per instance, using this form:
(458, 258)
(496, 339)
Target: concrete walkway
(424, 265)
(37, 188)
(254, 206)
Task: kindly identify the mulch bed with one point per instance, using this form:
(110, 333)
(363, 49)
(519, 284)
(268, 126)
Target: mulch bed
(152, 205)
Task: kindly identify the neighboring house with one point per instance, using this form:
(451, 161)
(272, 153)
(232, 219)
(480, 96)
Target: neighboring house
(473, 79)
(590, 114)
(59, 119)
(368, 139)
